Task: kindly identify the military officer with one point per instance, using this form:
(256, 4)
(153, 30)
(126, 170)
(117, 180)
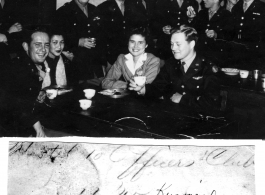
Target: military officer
(24, 82)
(140, 12)
(77, 21)
(249, 29)
(113, 25)
(171, 14)
(188, 78)
(213, 25)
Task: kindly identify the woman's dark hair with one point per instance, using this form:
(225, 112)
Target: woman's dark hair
(55, 31)
(143, 31)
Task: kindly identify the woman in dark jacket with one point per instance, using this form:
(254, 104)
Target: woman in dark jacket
(62, 69)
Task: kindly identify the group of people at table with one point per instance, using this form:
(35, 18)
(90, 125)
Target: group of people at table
(82, 38)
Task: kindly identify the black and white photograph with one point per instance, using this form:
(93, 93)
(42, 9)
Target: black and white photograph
(162, 69)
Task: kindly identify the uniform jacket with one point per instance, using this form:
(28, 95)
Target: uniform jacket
(138, 14)
(23, 86)
(113, 79)
(199, 85)
(70, 70)
(220, 23)
(249, 26)
(168, 12)
(113, 28)
(74, 23)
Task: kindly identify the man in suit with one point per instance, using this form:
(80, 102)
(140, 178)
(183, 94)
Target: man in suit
(248, 33)
(188, 78)
(171, 14)
(76, 20)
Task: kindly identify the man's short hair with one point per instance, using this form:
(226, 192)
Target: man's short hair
(28, 34)
(190, 33)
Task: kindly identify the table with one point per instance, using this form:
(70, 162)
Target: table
(246, 100)
(134, 116)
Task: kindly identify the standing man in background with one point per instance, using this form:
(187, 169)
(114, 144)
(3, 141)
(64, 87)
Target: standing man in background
(248, 33)
(76, 20)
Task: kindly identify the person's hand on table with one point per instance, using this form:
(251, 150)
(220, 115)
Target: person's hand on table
(167, 29)
(176, 98)
(39, 130)
(134, 87)
(211, 34)
(15, 28)
(87, 43)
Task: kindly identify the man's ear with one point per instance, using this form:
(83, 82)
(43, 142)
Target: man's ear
(192, 44)
(25, 46)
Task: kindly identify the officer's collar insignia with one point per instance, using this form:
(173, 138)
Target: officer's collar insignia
(197, 64)
(197, 78)
(256, 13)
(196, 69)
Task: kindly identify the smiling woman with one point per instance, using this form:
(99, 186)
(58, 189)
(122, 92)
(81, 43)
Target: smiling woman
(136, 63)
(62, 69)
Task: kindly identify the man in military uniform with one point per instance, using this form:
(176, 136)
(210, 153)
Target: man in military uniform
(171, 14)
(249, 32)
(140, 12)
(23, 83)
(213, 25)
(77, 21)
(188, 78)
(113, 28)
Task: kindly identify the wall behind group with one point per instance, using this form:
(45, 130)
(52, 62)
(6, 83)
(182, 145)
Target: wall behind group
(94, 2)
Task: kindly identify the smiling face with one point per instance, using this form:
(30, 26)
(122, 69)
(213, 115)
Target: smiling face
(181, 48)
(38, 48)
(137, 45)
(56, 45)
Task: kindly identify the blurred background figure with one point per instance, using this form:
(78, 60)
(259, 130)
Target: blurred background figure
(113, 28)
(248, 33)
(76, 20)
(168, 15)
(229, 4)
(213, 25)
(136, 63)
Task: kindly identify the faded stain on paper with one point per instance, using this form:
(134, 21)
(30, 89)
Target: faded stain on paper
(53, 168)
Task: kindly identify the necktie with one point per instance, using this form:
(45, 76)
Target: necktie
(245, 6)
(180, 2)
(182, 67)
(122, 7)
(144, 3)
(2, 3)
(85, 11)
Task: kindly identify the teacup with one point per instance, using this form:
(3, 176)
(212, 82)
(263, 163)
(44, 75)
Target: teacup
(140, 80)
(51, 93)
(89, 93)
(244, 73)
(85, 104)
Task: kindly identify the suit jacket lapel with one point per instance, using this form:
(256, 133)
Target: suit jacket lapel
(252, 6)
(194, 68)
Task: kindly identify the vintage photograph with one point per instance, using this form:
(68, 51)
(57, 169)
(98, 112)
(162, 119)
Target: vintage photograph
(66, 168)
(163, 69)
